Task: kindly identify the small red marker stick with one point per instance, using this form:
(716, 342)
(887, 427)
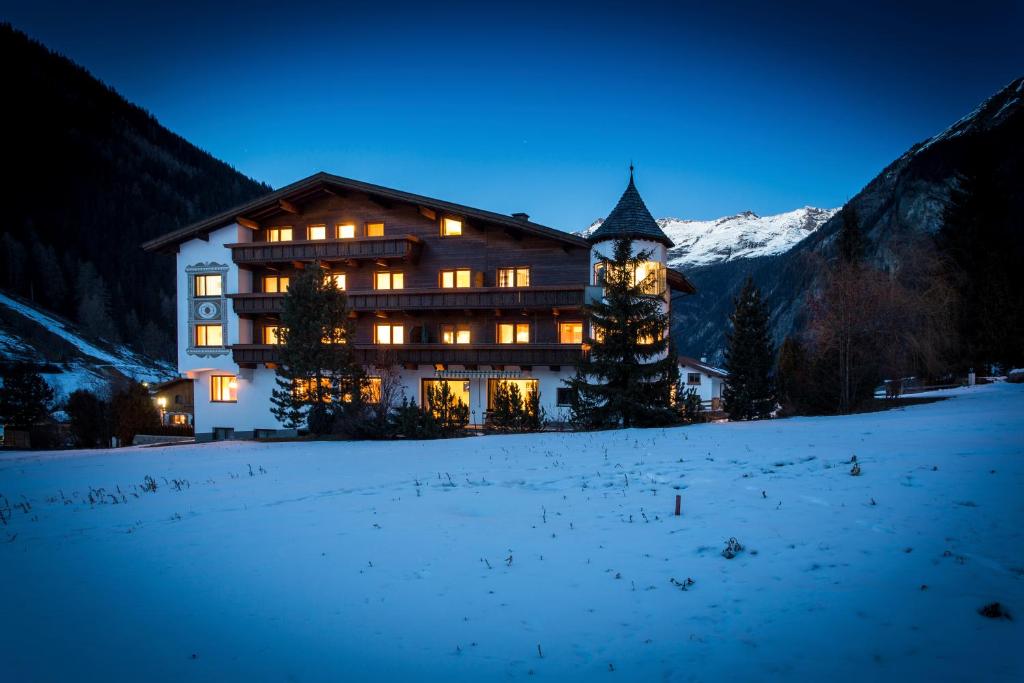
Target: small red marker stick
(679, 500)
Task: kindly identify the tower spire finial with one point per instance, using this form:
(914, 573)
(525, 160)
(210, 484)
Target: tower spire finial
(630, 169)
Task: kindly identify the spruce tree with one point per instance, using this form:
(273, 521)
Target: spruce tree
(449, 413)
(133, 412)
(749, 391)
(316, 362)
(626, 378)
(25, 397)
(850, 242)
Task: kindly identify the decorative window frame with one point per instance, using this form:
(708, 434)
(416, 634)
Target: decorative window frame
(220, 315)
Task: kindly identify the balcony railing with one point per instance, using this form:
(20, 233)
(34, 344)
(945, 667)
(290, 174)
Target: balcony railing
(360, 249)
(429, 354)
(561, 297)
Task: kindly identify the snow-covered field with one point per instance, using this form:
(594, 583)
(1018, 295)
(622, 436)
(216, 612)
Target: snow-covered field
(555, 556)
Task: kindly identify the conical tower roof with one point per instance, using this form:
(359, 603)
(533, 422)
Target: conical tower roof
(630, 218)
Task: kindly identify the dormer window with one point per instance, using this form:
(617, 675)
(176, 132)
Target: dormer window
(279, 234)
(209, 285)
(374, 229)
(317, 232)
(513, 277)
(451, 227)
(347, 231)
(460, 278)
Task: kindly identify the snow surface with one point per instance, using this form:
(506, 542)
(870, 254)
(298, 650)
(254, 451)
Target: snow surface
(79, 373)
(745, 235)
(367, 561)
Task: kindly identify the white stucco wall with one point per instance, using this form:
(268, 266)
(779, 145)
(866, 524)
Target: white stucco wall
(710, 386)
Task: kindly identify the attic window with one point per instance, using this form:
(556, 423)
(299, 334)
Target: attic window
(374, 229)
(347, 231)
(279, 234)
(208, 285)
(450, 227)
(318, 232)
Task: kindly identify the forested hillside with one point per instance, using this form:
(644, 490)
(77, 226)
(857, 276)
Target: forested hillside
(88, 176)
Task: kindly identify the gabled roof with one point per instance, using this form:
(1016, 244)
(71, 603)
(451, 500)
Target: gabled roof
(630, 218)
(271, 204)
(703, 367)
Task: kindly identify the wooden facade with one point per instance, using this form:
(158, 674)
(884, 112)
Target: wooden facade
(414, 247)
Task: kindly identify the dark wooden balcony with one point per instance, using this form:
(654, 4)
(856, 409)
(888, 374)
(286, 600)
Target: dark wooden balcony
(492, 298)
(249, 355)
(403, 247)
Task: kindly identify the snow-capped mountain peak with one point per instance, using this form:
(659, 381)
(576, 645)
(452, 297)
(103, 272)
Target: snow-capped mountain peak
(743, 235)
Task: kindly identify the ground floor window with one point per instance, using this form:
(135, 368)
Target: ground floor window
(525, 387)
(179, 419)
(223, 388)
(563, 396)
(305, 389)
(693, 378)
(458, 387)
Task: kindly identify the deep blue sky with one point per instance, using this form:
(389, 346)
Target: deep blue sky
(539, 108)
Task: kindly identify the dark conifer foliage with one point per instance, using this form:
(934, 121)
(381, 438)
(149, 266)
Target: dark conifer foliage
(318, 377)
(749, 391)
(628, 376)
(87, 178)
(852, 246)
(133, 412)
(25, 397)
(981, 238)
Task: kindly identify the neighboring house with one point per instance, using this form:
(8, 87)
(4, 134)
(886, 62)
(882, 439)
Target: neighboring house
(175, 400)
(441, 291)
(706, 379)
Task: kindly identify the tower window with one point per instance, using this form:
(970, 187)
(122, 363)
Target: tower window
(223, 389)
(209, 335)
(209, 285)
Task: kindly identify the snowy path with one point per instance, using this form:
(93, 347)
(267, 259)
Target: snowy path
(365, 561)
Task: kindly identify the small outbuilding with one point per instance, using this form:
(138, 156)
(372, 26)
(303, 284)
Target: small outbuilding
(706, 379)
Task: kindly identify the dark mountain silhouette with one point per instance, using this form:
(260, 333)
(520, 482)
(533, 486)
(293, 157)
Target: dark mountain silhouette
(88, 176)
(907, 201)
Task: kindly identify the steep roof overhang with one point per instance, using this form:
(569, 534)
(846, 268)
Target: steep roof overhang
(288, 199)
(679, 282)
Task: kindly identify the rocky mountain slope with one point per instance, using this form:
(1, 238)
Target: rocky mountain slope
(908, 199)
(745, 235)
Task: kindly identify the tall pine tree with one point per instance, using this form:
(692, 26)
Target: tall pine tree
(317, 373)
(749, 391)
(627, 377)
(25, 397)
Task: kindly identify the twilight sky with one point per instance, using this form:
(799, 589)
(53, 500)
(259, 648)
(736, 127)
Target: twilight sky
(765, 106)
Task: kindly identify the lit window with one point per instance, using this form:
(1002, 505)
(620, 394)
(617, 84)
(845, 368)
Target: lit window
(179, 419)
(456, 278)
(570, 333)
(598, 333)
(513, 333)
(525, 387)
(374, 229)
(339, 337)
(339, 279)
(371, 392)
(272, 334)
(275, 284)
(209, 335)
(455, 334)
(208, 285)
(387, 333)
(645, 339)
(223, 388)
(279, 234)
(693, 378)
(389, 281)
(318, 232)
(513, 277)
(451, 227)
(347, 231)
(305, 389)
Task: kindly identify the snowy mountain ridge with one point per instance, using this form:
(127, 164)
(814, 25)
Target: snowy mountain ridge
(70, 361)
(744, 235)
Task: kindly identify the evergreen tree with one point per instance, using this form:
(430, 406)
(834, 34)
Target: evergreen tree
(317, 364)
(512, 412)
(90, 419)
(133, 412)
(25, 397)
(749, 391)
(449, 413)
(850, 243)
(626, 379)
(94, 304)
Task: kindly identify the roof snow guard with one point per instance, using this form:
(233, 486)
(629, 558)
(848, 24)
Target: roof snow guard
(630, 218)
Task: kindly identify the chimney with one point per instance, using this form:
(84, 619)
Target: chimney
(521, 216)
(703, 359)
